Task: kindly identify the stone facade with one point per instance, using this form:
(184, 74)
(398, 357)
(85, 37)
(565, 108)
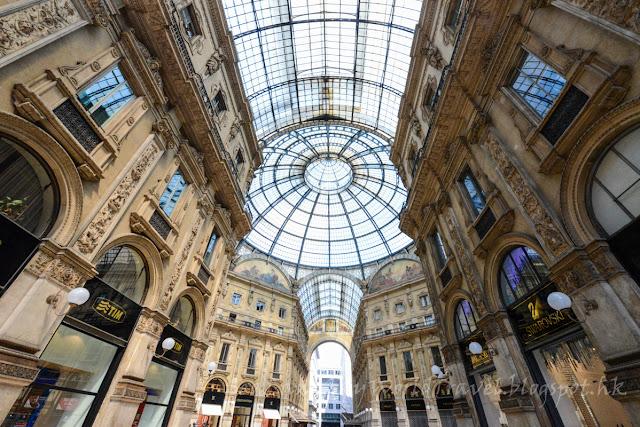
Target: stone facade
(535, 171)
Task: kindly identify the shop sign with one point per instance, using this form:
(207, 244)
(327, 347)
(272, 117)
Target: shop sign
(475, 361)
(213, 398)
(444, 396)
(416, 405)
(180, 351)
(387, 406)
(107, 310)
(535, 319)
(17, 246)
(244, 401)
(271, 403)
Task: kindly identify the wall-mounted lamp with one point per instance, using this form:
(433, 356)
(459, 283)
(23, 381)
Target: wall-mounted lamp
(167, 345)
(561, 302)
(211, 367)
(77, 296)
(438, 372)
(397, 409)
(476, 348)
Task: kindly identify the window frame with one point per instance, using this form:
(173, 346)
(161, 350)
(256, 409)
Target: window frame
(108, 95)
(193, 20)
(440, 253)
(517, 72)
(207, 257)
(473, 209)
(260, 305)
(233, 298)
(471, 326)
(400, 304)
(172, 193)
(225, 346)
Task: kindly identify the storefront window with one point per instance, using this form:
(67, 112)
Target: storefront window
(159, 382)
(183, 316)
(27, 193)
(465, 319)
(521, 272)
(243, 409)
(123, 269)
(73, 367)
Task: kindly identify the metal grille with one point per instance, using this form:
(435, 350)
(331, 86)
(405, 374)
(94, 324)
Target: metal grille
(567, 110)
(203, 275)
(446, 418)
(69, 115)
(389, 419)
(445, 277)
(418, 419)
(485, 223)
(160, 224)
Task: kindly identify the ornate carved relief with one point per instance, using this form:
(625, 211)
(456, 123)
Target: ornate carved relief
(625, 13)
(29, 25)
(433, 56)
(542, 221)
(467, 267)
(17, 371)
(215, 62)
(177, 272)
(98, 227)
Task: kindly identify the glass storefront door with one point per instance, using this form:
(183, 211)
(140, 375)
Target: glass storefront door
(160, 382)
(241, 417)
(574, 375)
(73, 368)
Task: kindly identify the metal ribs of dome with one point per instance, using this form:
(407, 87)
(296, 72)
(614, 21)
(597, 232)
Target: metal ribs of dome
(354, 224)
(305, 60)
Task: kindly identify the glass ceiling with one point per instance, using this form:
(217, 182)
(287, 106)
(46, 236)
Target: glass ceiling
(327, 196)
(330, 295)
(338, 59)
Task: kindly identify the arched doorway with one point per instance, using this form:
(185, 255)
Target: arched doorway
(330, 384)
(212, 403)
(556, 348)
(271, 410)
(416, 407)
(243, 410)
(388, 408)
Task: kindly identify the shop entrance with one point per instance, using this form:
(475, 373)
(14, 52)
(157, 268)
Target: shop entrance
(243, 410)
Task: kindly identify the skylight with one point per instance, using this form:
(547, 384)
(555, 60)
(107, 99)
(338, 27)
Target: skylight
(327, 196)
(340, 59)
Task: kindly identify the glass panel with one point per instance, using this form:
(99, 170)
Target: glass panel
(75, 360)
(172, 193)
(475, 193)
(538, 84)
(208, 253)
(522, 271)
(330, 295)
(159, 383)
(43, 407)
(465, 320)
(183, 316)
(26, 194)
(327, 196)
(123, 269)
(106, 96)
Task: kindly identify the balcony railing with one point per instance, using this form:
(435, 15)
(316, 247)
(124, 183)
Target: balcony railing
(436, 99)
(253, 323)
(197, 78)
(400, 330)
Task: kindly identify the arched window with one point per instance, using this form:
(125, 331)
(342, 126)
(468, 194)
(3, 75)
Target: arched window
(246, 389)
(386, 394)
(216, 385)
(273, 392)
(183, 315)
(28, 195)
(465, 320)
(414, 392)
(522, 271)
(124, 269)
(615, 191)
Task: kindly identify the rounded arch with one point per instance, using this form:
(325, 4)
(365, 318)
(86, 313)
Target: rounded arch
(151, 256)
(216, 384)
(247, 389)
(450, 312)
(413, 391)
(325, 340)
(198, 304)
(386, 393)
(273, 391)
(63, 171)
(493, 262)
(579, 165)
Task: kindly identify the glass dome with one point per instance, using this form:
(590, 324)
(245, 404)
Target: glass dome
(327, 196)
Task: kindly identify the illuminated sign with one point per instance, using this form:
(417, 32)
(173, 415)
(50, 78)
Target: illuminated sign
(109, 310)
